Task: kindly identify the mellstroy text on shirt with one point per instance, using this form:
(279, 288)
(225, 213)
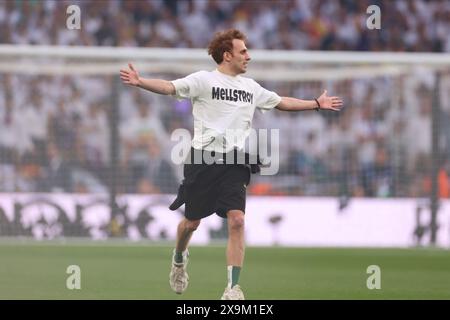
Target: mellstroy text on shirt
(231, 95)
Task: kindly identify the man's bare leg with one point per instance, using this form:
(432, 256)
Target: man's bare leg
(178, 277)
(236, 245)
(184, 233)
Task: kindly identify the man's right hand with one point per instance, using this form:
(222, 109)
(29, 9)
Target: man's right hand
(129, 76)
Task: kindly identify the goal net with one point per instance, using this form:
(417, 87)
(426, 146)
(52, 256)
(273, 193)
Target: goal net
(69, 126)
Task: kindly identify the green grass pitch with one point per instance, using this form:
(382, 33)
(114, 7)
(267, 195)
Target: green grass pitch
(126, 271)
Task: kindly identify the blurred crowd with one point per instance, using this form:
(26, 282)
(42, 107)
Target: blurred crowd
(379, 145)
(55, 131)
(55, 137)
(406, 25)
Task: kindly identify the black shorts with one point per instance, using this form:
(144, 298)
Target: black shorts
(214, 188)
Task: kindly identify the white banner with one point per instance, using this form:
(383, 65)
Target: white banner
(284, 221)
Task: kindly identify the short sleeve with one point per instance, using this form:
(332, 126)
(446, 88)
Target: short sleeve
(265, 99)
(190, 86)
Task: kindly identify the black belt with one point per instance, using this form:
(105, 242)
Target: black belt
(199, 156)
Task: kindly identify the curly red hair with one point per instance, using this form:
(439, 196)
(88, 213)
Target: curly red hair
(223, 42)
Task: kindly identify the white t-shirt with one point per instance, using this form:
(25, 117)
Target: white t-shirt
(222, 102)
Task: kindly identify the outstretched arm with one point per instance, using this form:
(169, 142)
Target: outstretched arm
(325, 102)
(131, 76)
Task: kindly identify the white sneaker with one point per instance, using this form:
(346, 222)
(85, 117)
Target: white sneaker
(178, 277)
(234, 293)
